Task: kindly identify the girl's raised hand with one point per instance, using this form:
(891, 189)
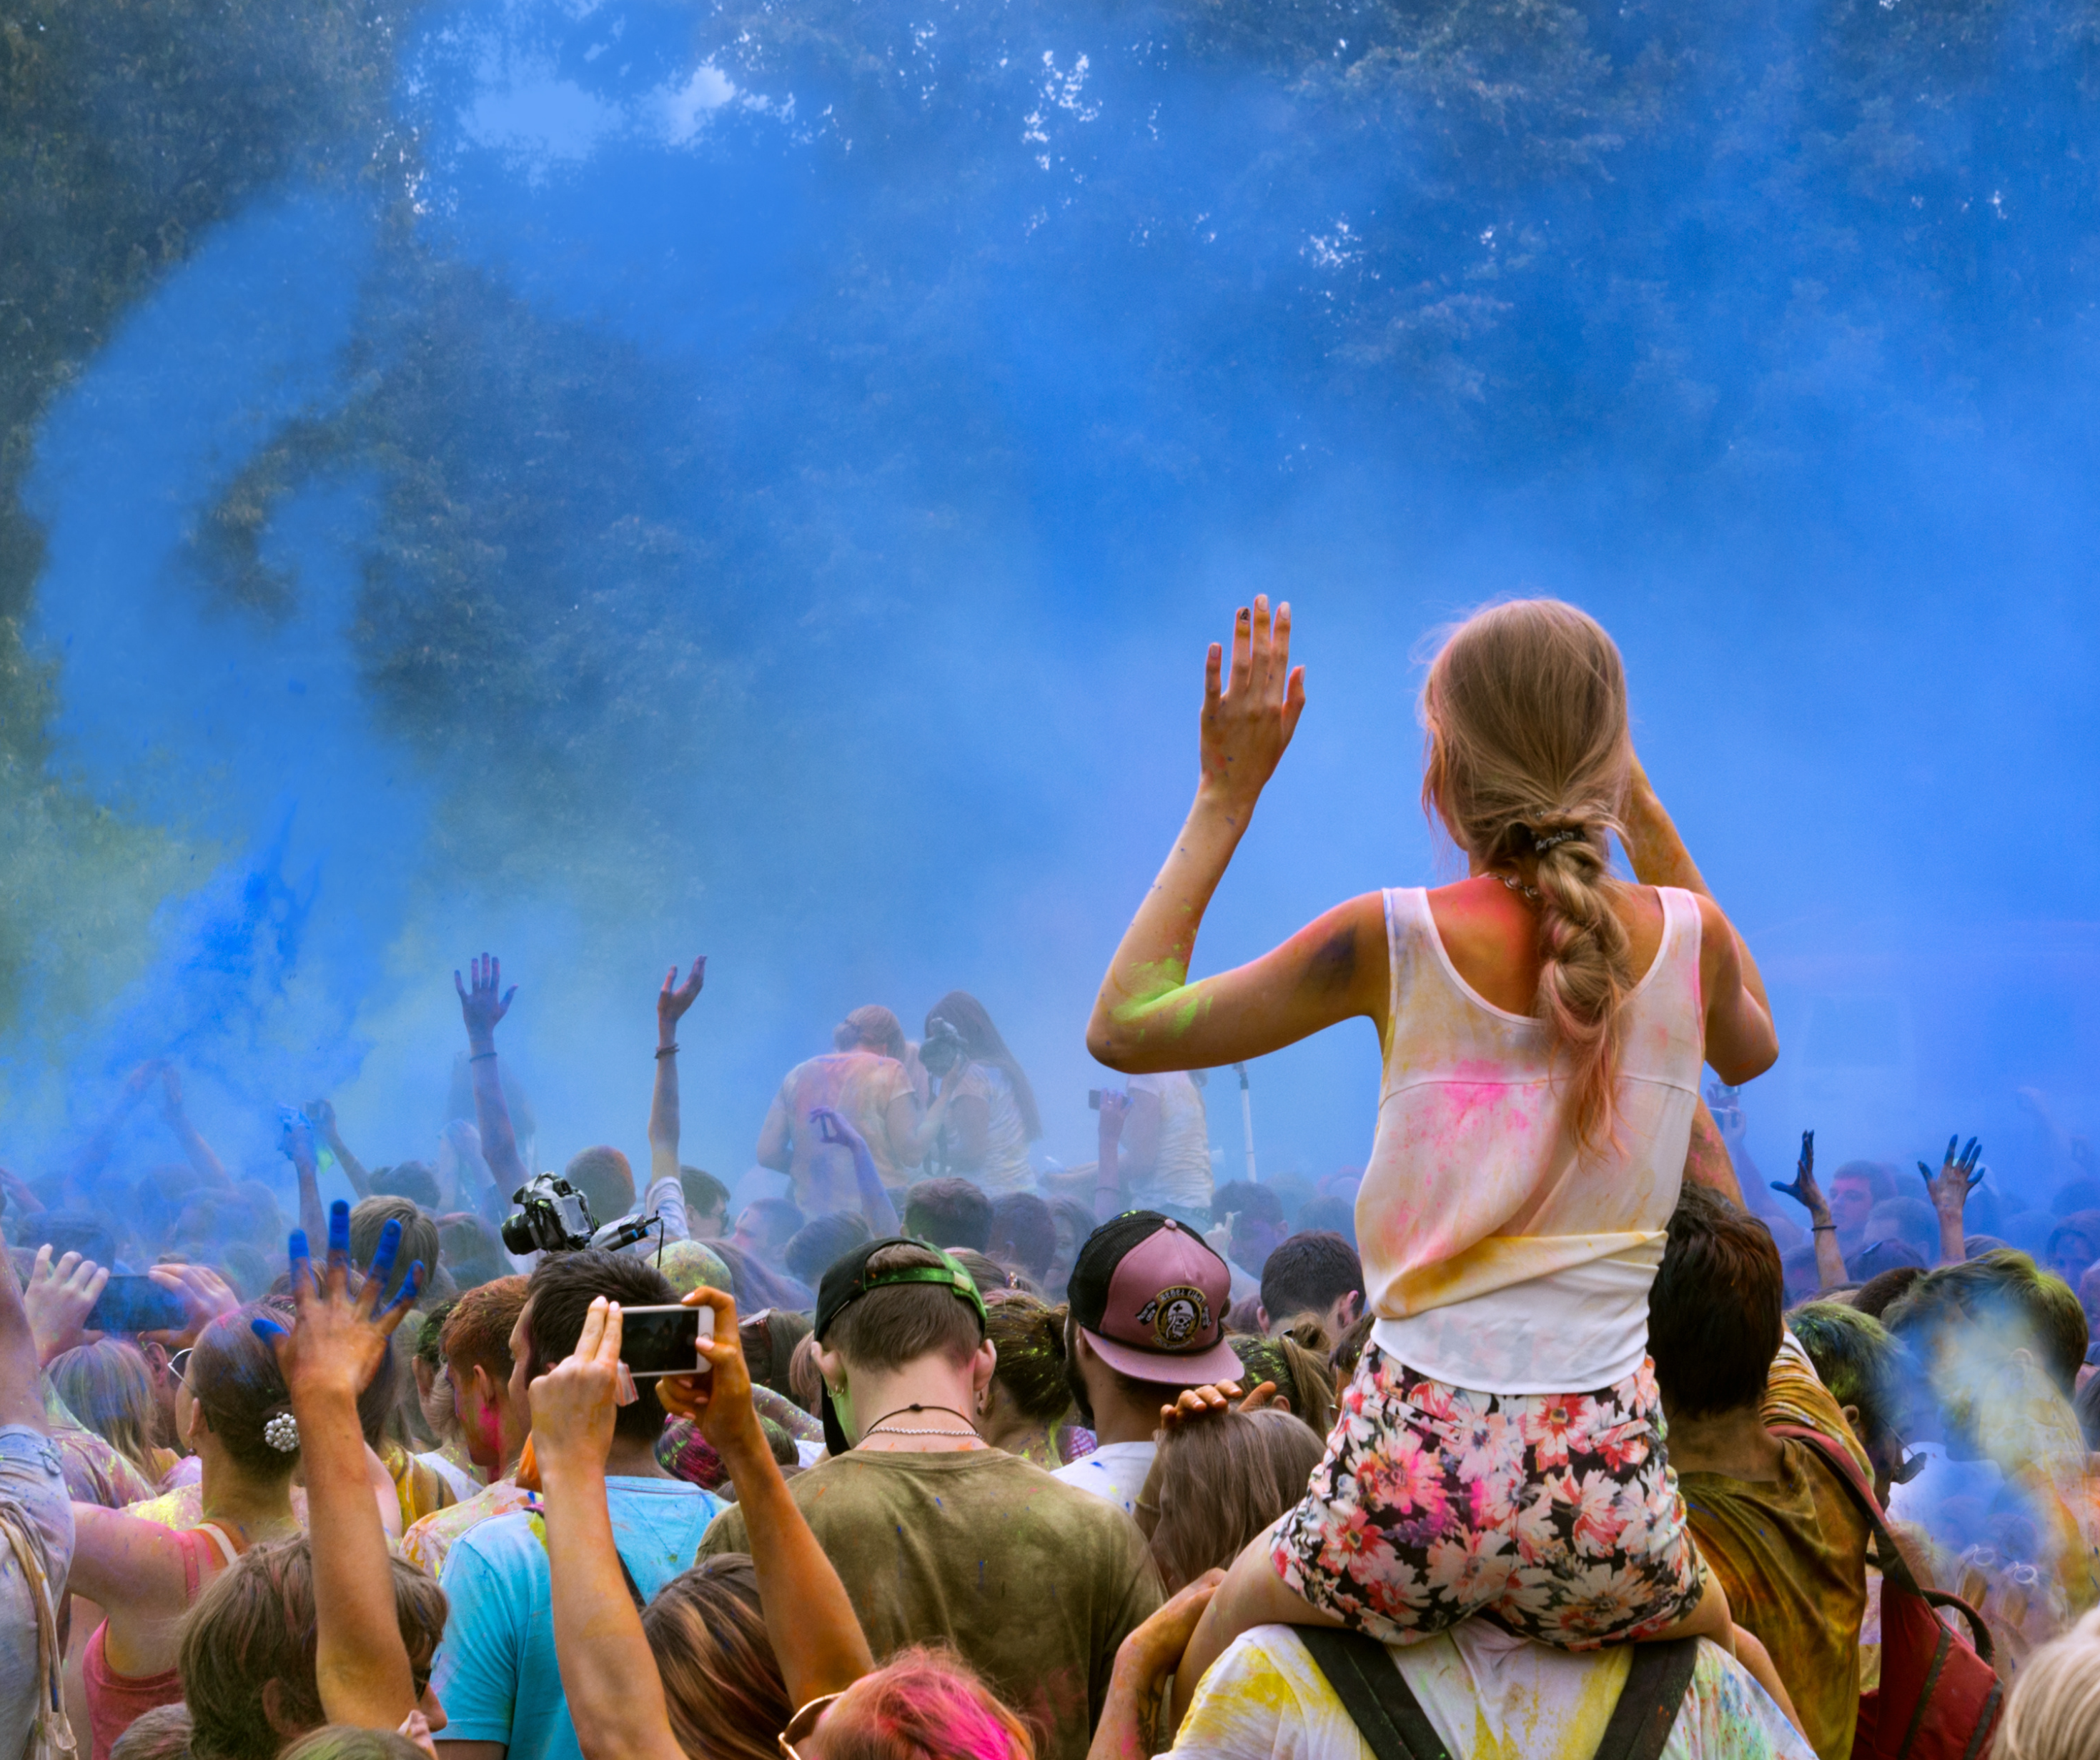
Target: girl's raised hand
(1248, 719)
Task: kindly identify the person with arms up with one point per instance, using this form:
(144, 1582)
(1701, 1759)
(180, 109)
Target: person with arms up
(872, 1092)
(938, 1538)
(1543, 1027)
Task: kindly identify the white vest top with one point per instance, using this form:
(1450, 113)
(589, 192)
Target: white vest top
(1496, 1256)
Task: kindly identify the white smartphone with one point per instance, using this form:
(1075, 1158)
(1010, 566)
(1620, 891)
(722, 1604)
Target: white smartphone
(665, 1341)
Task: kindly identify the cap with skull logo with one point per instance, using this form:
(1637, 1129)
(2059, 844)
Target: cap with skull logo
(1151, 1296)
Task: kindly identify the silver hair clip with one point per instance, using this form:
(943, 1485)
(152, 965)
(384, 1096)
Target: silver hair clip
(1541, 845)
(282, 1433)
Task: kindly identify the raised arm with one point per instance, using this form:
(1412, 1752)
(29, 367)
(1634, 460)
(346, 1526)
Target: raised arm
(481, 1007)
(815, 1634)
(1741, 1043)
(198, 1153)
(1108, 1150)
(1949, 1190)
(322, 1115)
(609, 1676)
(337, 1341)
(1830, 1261)
(775, 1148)
(94, 1150)
(672, 1002)
(1149, 1017)
(832, 1127)
(295, 1141)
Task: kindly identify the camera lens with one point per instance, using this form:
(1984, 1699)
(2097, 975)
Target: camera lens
(517, 1232)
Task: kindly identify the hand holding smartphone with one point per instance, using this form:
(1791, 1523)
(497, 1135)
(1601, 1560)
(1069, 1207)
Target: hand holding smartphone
(654, 1342)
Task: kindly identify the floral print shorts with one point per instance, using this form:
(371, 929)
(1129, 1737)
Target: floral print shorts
(1555, 1515)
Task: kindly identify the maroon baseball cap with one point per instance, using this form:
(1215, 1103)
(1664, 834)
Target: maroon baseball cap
(1151, 1296)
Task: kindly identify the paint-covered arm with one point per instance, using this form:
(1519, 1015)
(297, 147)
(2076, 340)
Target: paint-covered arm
(337, 1343)
(1706, 1160)
(1144, 1665)
(21, 1373)
(295, 1141)
(672, 1002)
(1149, 1017)
(322, 1113)
(1830, 1261)
(482, 1006)
(95, 1151)
(1741, 1042)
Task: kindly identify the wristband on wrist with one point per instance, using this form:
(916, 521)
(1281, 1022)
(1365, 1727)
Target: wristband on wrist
(669, 1050)
(481, 1057)
(1824, 1228)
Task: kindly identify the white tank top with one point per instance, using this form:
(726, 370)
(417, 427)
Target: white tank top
(1496, 1256)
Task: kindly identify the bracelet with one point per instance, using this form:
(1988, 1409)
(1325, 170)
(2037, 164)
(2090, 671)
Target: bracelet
(480, 1057)
(669, 1050)
(1823, 1228)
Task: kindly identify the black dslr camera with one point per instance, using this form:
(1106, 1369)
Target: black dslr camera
(942, 1049)
(553, 1217)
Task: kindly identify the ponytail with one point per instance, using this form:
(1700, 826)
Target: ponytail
(1529, 757)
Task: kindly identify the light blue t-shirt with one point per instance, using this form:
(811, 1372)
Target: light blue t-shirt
(495, 1673)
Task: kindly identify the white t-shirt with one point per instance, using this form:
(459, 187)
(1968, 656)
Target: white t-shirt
(1490, 1695)
(1115, 1470)
(1180, 1176)
(1006, 1166)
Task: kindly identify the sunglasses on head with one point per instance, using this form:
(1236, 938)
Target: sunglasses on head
(179, 1366)
(803, 1725)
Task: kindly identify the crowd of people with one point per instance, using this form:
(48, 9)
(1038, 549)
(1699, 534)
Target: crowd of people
(1556, 1430)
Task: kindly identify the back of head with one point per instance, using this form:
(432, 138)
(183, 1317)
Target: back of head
(108, 1387)
(2003, 1302)
(412, 1180)
(1024, 1233)
(753, 1284)
(981, 1043)
(923, 1705)
(1877, 1257)
(419, 1237)
(477, 1332)
(1309, 1273)
(2075, 1194)
(253, 1624)
(821, 1239)
(604, 1176)
(162, 1733)
(1856, 1359)
(872, 1028)
(722, 1681)
(1910, 1220)
(2053, 1712)
(1525, 710)
(775, 1221)
(949, 1212)
(990, 1276)
(558, 1297)
(234, 1378)
(1222, 1480)
(769, 1337)
(899, 1323)
(1030, 1337)
(1713, 1311)
(1331, 1216)
(473, 1251)
(1877, 1294)
(1302, 1378)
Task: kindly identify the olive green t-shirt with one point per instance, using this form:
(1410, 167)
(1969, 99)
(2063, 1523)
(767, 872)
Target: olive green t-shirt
(1034, 1583)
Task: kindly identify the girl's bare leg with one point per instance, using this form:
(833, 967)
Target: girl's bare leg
(1251, 1594)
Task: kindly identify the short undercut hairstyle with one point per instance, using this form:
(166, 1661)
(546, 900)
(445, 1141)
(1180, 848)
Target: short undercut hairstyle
(900, 1323)
(477, 1334)
(1309, 1273)
(949, 1212)
(1713, 1311)
(557, 1298)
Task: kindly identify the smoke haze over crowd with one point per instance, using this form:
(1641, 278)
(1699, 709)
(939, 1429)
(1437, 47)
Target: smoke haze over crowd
(610, 482)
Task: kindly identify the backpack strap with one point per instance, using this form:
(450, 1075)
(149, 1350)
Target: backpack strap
(1657, 1682)
(1887, 1556)
(1375, 1693)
